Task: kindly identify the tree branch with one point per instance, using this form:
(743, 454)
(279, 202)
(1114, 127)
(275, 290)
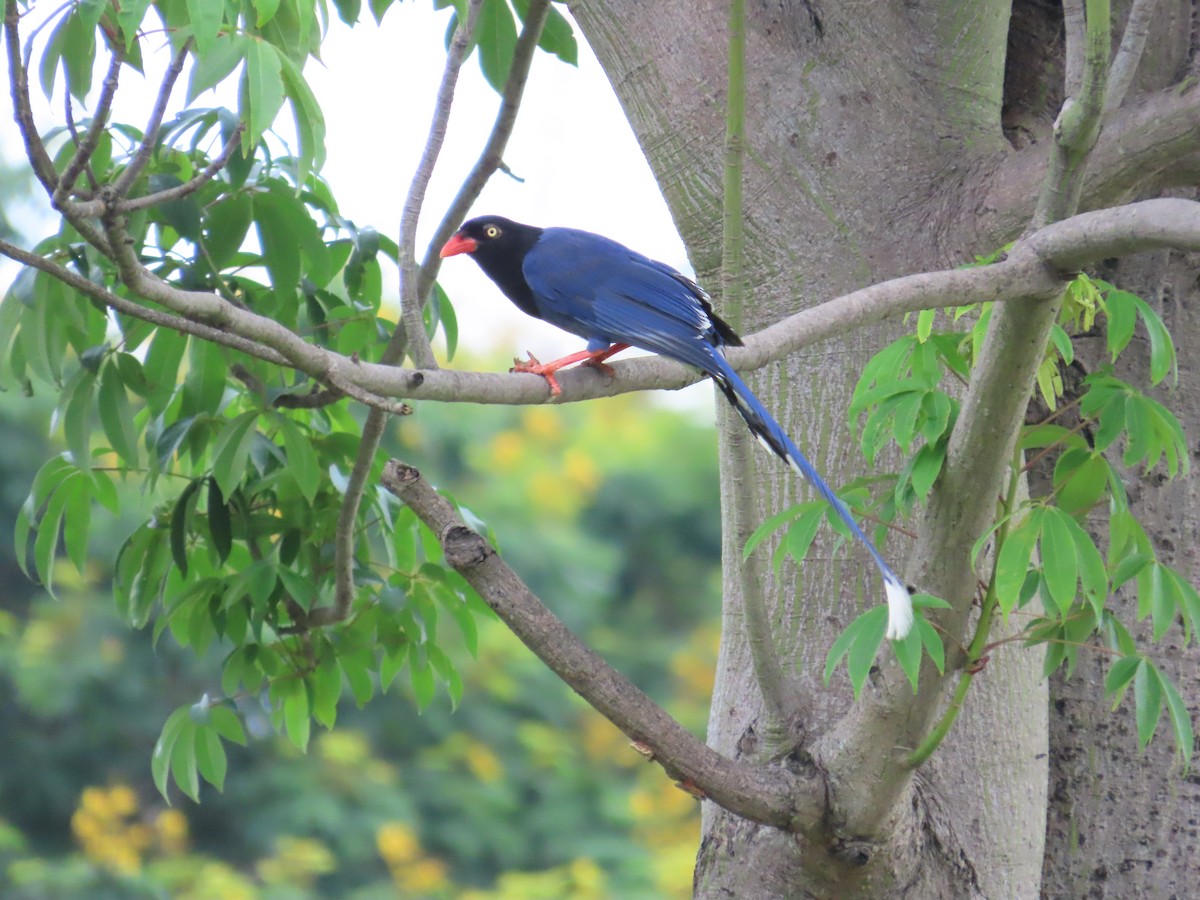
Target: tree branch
(411, 301)
(86, 147)
(739, 467)
(1075, 31)
(150, 137)
(1124, 66)
(190, 186)
(1152, 144)
(867, 784)
(183, 325)
(418, 344)
(18, 78)
(774, 795)
(490, 158)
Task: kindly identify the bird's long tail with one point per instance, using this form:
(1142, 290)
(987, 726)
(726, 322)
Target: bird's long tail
(775, 439)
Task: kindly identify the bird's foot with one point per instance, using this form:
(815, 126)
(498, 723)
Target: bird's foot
(535, 367)
(600, 366)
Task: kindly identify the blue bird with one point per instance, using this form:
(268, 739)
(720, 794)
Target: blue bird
(615, 298)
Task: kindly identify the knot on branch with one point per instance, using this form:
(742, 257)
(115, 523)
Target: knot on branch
(463, 547)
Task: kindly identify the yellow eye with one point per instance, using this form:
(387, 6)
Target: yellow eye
(492, 231)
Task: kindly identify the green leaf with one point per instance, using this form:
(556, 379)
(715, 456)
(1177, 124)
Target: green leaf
(182, 214)
(231, 450)
(1013, 561)
(908, 654)
(1120, 319)
(219, 523)
(226, 225)
(1119, 676)
(1080, 480)
(204, 387)
(327, 690)
(804, 530)
(77, 515)
(76, 403)
(210, 757)
(858, 643)
(45, 545)
(931, 640)
(1147, 695)
(1181, 721)
(184, 767)
(302, 463)
(1059, 560)
(770, 526)
(357, 666)
(496, 36)
(116, 415)
(1162, 348)
(160, 760)
(423, 684)
(225, 722)
(310, 125)
(206, 17)
(296, 719)
(180, 515)
(261, 91)
(556, 37)
(79, 54)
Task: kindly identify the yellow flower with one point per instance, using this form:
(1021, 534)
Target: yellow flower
(397, 843)
(580, 469)
(507, 449)
(421, 876)
(172, 828)
(297, 861)
(94, 801)
(483, 763)
(122, 800)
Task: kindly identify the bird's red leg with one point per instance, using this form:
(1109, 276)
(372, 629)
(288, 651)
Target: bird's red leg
(593, 358)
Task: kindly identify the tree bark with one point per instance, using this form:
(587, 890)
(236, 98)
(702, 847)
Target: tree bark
(875, 132)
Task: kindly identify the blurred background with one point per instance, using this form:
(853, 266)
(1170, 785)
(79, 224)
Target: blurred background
(609, 511)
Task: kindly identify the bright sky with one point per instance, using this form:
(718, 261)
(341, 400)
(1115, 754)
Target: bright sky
(580, 163)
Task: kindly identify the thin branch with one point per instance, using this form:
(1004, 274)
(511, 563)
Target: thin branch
(87, 146)
(18, 78)
(150, 137)
(191, 185)
(376, 421)
(772, 795)
(739, 463)
(1077, 126)
(411, 302)
(979, 452)
(127, 307)
(1075, 28)
(1124, 65)
(492, 156)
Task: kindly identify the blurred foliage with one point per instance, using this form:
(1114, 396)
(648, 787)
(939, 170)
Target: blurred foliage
(523, 792)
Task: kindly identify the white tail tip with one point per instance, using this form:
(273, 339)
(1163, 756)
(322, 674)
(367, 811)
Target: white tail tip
(900, 609)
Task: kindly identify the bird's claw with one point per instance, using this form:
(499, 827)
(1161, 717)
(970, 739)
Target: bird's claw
(534, 366)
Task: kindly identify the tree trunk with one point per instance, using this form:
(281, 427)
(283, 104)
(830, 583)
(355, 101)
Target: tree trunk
(873, 134)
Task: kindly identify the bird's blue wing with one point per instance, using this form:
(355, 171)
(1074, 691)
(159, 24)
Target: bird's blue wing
(594, 287)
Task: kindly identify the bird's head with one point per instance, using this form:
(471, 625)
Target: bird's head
(492, 237)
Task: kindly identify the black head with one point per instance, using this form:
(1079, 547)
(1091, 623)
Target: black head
(499, 246)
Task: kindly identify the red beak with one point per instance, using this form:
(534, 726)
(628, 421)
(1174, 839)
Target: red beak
(459, 244)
